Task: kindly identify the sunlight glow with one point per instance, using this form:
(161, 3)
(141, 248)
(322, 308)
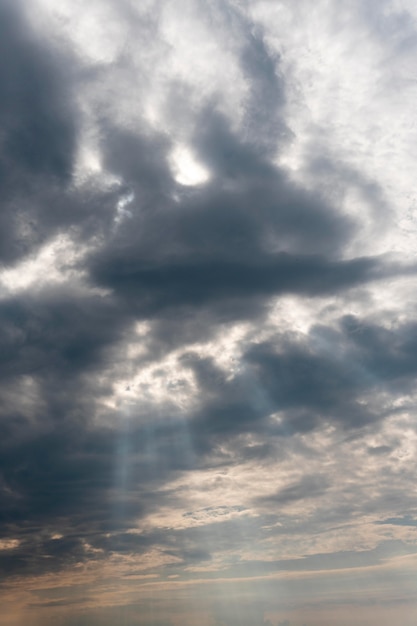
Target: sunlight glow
(186, 169)
(53, 263)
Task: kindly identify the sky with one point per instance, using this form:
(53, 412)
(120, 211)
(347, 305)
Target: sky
(208, 331)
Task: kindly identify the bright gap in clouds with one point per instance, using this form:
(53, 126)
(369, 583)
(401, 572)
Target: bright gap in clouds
(55, 263)
(185, 167)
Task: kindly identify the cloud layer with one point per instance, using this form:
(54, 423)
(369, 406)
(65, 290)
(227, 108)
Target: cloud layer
(207, 319)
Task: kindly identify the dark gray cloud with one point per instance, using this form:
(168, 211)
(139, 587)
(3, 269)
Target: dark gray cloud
(406, 520)
(60, 474)
(31, 556)
(335, 560)
(221, 251)
(308, 487)
(57, 332)
(39, 130)
(39, 135)
(320, 378)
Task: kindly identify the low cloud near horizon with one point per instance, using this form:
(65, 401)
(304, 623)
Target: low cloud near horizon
(208, 331)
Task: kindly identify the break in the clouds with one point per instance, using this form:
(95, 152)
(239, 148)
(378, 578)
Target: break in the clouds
(207, 313)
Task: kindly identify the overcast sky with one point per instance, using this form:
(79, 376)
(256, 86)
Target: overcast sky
(208, 330)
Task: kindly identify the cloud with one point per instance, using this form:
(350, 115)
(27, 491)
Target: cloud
(308, 487)
(207, 380)
(40, 124)
(39, 135)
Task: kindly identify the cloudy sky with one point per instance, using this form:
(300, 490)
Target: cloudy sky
(208, 330)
